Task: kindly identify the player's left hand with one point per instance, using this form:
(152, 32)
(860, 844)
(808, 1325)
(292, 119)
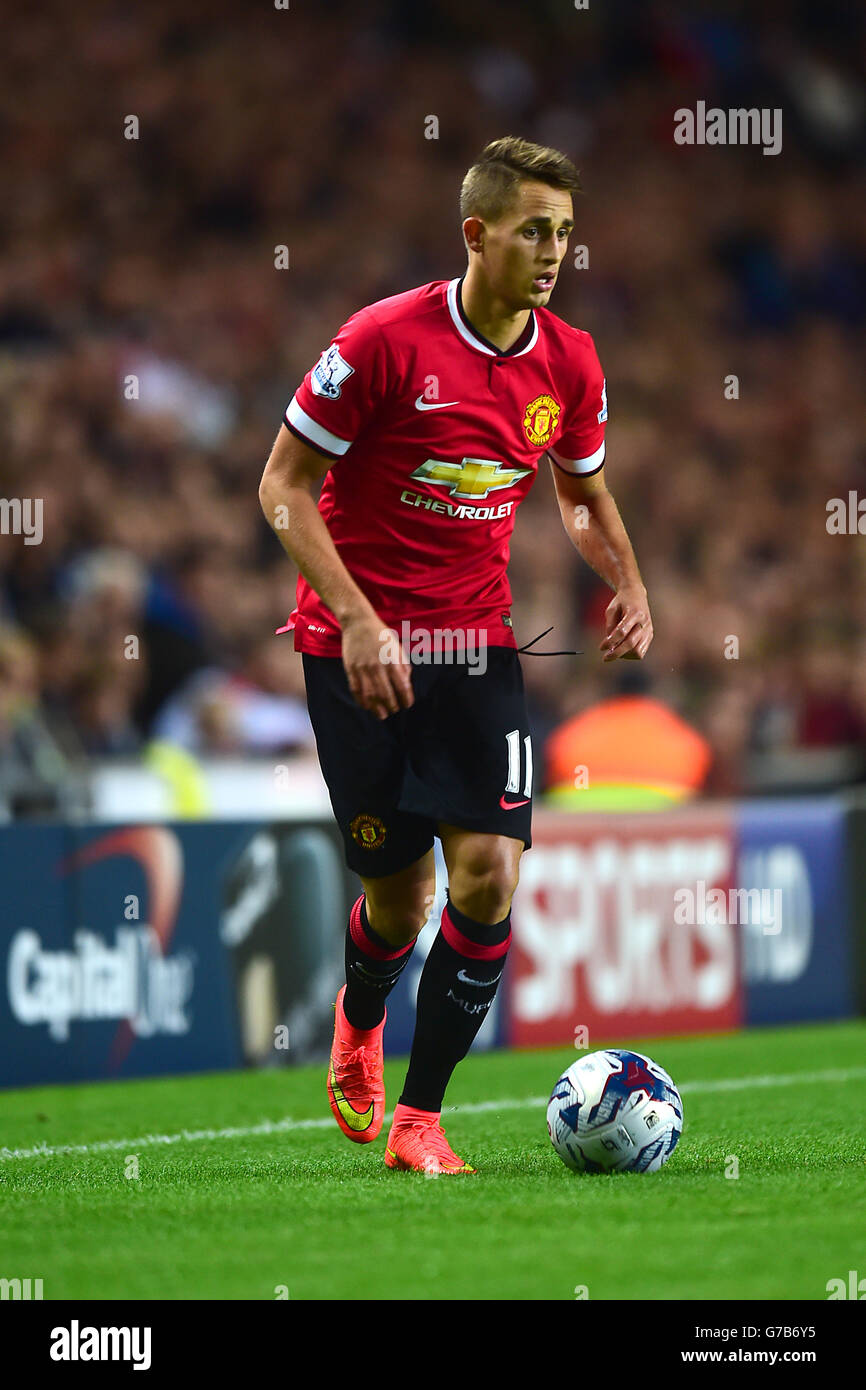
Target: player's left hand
(628, 625)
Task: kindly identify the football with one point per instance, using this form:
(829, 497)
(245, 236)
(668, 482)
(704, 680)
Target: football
(615, 1111)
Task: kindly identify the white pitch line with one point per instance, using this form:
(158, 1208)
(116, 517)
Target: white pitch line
(287, 1124)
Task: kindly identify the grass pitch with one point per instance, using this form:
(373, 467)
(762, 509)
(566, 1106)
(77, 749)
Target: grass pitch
(247, 1190)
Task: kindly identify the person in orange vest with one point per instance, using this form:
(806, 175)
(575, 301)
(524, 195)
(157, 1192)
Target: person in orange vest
(628, 753)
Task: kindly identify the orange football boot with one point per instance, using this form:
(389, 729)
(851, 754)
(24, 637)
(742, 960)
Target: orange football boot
(417, 1143)
(356, 1090)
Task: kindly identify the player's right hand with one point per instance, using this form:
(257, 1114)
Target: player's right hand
(378, 670)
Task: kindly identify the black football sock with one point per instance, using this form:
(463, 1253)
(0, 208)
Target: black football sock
(457, 987)
(373, 967)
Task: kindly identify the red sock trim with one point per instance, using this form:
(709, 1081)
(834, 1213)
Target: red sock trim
(363, 942)
(465, 946)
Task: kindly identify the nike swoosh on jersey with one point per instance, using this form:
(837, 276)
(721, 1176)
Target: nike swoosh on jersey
(352, 1117)
(421, 404)
(468, 980)
(511, 805)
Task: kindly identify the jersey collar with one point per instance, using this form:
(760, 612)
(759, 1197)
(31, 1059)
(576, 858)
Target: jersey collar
(470, 335)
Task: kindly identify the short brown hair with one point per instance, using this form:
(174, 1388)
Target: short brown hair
(490, 185)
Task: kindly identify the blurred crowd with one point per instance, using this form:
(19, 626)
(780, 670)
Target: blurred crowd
(149, 342)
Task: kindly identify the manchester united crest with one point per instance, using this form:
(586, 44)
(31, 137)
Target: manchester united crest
(540, 419)
(368, 831)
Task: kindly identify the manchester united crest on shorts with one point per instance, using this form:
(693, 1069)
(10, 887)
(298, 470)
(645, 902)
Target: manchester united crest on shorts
(540, 419)
(368, 831)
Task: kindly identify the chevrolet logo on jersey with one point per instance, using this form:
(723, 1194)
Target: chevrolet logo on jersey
(470, 478)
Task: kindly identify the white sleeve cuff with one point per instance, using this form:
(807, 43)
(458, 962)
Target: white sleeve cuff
(590, 464)
(318, 436)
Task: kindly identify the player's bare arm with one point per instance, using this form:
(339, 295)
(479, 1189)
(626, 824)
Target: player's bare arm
(594, 526)
(286, 496)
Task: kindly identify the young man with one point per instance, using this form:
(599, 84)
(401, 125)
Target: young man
(430, 413)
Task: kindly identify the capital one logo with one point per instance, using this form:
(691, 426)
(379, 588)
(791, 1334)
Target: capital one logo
(471, 479)
(133, 980)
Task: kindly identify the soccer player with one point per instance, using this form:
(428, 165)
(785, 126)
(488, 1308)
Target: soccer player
(428, 417)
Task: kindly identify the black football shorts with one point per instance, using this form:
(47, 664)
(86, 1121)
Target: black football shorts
(461, 754)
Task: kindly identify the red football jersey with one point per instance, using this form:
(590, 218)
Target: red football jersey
(436, 435)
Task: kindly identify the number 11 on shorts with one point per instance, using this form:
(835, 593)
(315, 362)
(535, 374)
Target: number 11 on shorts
(513, 783)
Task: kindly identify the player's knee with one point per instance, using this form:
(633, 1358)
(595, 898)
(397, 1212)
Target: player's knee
(400, 922)
(484, 881)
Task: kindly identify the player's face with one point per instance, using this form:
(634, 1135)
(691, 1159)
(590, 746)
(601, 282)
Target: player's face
(523, 250)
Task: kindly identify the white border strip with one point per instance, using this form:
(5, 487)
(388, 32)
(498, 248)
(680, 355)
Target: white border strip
(288, 1125)
(317, 434)
(578, 466)
(470, 338)
(460, 325)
